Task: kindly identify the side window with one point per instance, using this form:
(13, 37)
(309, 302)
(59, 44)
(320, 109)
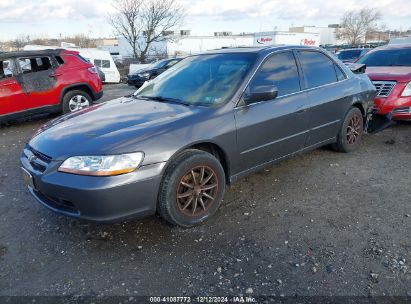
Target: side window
(171, 63)
(102, 63)
(33, 65)
(340, 74)
(318, 69)
(6, 69)
(105, 64)
(280, 71)
(59, 60)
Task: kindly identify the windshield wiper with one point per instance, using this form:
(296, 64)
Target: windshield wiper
(166, 99)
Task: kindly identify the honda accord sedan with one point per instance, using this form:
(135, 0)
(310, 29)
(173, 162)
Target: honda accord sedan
(213, 118)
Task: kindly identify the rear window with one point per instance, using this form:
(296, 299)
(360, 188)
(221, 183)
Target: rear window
(393, 57)
(83, 58)
(351, 54)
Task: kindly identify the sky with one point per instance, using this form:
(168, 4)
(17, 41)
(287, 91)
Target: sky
(52, 18)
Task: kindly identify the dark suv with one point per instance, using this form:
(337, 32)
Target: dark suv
(33, 82)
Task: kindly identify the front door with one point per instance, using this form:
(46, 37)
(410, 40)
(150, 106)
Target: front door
(273, 129)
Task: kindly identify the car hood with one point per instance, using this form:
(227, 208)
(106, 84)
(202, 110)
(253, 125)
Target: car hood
(399, 74)
(108, 128)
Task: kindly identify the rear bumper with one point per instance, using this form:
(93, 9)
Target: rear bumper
(98, 95)
(97, 199)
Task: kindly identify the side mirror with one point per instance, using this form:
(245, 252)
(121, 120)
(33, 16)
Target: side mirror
(261, 93)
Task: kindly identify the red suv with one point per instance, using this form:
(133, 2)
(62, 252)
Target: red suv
(389, 68)
(33, 82)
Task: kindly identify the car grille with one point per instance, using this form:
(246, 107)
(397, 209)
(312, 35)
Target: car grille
(384, 88)
(402, 110)
(37, 160)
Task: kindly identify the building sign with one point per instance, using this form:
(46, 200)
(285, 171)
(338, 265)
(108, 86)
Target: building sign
(308, 42)
(264, 40)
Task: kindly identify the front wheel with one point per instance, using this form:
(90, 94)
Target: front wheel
(192, 188)
(351, 132)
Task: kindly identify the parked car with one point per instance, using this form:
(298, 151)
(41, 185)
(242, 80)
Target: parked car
(389, 68)
(212, 119)
(33, 82)
(351, 55)
(100, 58)
(138, 78)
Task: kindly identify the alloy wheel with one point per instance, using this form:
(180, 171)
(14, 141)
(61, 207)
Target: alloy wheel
(354, 129)
(197, 191)
(78, 102)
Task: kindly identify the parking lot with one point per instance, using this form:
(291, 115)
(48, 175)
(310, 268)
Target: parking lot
(323, 223)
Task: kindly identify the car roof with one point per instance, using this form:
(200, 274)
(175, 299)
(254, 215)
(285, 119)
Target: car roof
(354, 49)
(259, 49)
(394, 46)
(47, 52)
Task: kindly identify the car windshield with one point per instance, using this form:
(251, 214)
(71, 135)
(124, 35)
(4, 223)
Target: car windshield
(344, 55)
(201, 80)
(393, 57)
(158, 64)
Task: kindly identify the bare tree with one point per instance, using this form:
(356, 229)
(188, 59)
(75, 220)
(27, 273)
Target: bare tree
(143, 23)
(21, 41)
(356, 24)
(81, 40)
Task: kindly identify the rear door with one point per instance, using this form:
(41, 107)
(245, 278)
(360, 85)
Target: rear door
(273, 129)
(12, 97)
(329, 95)
(39, 81)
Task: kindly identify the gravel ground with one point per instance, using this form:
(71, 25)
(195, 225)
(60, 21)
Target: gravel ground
(322, 223)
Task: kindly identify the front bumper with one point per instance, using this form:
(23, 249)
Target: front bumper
(97, 199)
(400, 107)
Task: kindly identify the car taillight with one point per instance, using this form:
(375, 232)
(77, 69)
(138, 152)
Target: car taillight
(93, 70)
(407, 90)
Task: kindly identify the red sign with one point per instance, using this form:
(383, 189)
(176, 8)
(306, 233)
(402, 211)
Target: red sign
(308, 42)
(264, 40)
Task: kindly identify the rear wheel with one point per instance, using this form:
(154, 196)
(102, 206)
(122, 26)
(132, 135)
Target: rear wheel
(75, 100)
(350, 135)
(192, 188)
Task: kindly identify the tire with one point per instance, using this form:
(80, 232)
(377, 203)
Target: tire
(351, 132)
(183, 199)
(86, 101)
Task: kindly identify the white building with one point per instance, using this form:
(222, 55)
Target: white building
(271, 38)
(187, 45)
(328, 35)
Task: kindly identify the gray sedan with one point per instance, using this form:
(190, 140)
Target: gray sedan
(209, 120)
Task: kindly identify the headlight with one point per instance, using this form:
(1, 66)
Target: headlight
(144, 75)
(407, 90)
(102, 165)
